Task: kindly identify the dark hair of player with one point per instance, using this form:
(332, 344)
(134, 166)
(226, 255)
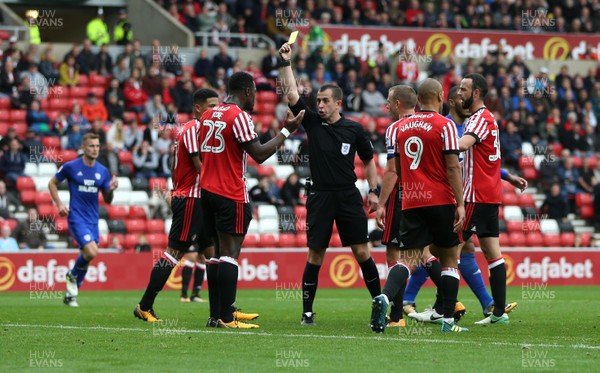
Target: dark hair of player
(452, 93)
(239, 82)
(479, 83)
(336, 91)
(203, 94)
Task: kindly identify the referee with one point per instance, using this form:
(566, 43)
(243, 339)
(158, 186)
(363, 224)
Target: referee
(333, 142)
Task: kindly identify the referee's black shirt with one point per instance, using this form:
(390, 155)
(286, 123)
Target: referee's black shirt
(332, 148)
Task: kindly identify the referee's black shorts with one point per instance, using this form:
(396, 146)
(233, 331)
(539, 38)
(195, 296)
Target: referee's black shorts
(187, 227)
(393, 214)
(481, 219)
(225, 215)
(422, 226)
(343, 206)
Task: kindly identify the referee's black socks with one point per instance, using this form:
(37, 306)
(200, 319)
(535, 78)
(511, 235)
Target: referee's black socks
(158, 278)
(310, 280)
(371, 276)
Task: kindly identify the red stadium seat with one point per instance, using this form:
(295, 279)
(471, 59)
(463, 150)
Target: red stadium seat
(183, 117)
(68, 155)
(188, 68)
(517, 239)
(53, 115)
(12, 223)
(98, 91)
(360, 172)
(584, 199)
(118, 212)
(535, 240)
(577, 162)
(287, 240)
(131, 240)
(526, 200)
(28, 197)
(120, 236)
(4, 114)
(4, 126)
(265, 108)
(83, 80)
(300, 212)
(155, 226)
(501, 213)
(251, 240)
(51, 142)
(129, 116)
(586, 239)
(382, 123)
(509, 199)
(43, 198)
(198, 81)
(59, 104)
(504, 241)
(267, 240)
(301, 240)
(514, 226)
(61, 225)
(552, 240)
(4, 103)
(508, 188)
(97, 80)
(73, 101)
(567, 239)
(335, 241)
(264, 170)
(301, 224)
(530, 174)
(138, 212)
(78, 92)
(20, 129)
(17, 116)
(135, 225)
(587, 211)
(265, 119)
(125, 156)
(157, 183)
(531, 225)
(157, 239)
(526, 161)
(47, 211)
(103, 241)
(267, 97)
(25, 183)
(592, 162)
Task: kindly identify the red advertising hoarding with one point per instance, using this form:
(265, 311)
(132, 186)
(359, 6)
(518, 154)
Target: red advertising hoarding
(463, 44)
(280, 268)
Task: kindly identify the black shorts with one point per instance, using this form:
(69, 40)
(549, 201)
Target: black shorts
(343, 206)
(187, 228)
(393, 214)
(422, 226)
(481, 219)
(224, 215)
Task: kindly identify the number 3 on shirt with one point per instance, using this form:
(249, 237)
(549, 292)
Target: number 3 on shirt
(214, 128)
(495, 157)
(416, 154)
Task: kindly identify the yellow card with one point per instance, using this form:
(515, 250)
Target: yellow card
(293, 37)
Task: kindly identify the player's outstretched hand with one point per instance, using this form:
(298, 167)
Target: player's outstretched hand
(459, 218)
(380, 217)
(518, 182)
(63, 210)
(285, 52)
(114, 183)
(292, 122)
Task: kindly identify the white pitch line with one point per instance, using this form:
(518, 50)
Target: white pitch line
(317, 336)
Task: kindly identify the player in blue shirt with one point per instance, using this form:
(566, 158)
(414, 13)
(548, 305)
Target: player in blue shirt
(467, 265)
(86, 178)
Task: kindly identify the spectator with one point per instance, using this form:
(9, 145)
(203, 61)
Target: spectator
(115, 244)
(94, 109)
(511, 143)
(189, 17)
(206, 20)
(168, 94)
(104, 62)
(48, 65)
(351, 61)
(143, 245)
(185, 90)
(30, 233)
(272, 132)
(163, 146)
(9, 79)
(7, 243)
(61, 124)
(222, 59)
(407, 70)
(113, 88)
(33, 148)
(97, 30)
(97, 129)
(239, 28)
(290, 191)
(220, 32)
(37, 119)
(74, 137)
(109, 158)
(152, 81)
(76, 117)
(377, 140)
(135, 97)
(37, 82)
(587, 180)
(116, 135)
(5, 141)
(260, 192)
(8, 202)
(203, 66)
(114, 108)
(172, 62)
(122, 32)
(68, 73)
(555, 205)
(145, 160)
(133, 136)
(86, 60)
(354, 104)
(12, 163)
(437, 68)
(568, 177)
(127, 55)
(121, 71)
(155, 111)
(163, 143)
(373, 100)
(219, 78)
(270, 64)
(281, 110)
(320, 77)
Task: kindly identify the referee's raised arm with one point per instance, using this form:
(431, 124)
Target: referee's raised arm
(288, 81)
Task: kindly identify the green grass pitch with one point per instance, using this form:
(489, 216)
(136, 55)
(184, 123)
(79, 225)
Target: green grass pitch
(552, 329)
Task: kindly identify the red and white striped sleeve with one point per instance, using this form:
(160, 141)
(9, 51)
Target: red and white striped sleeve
(478, 126)
(390, 140)
(450, 138)
(243, 128)
(190, 140)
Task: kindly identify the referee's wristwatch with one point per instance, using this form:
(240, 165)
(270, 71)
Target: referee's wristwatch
(374, 191)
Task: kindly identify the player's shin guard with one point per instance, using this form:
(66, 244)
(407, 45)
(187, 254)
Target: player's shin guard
(80, 269)
(186, 276)
(469, 270)
(498, 284)
(448, 289)
(198, 278)
(212, 270)
(434, 269)
(396, 281)
(310, 280)
(227, 282)
(371, 276)
(158, 278)
(415, 283)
